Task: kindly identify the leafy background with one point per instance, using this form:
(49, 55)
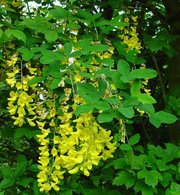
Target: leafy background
(148, 161)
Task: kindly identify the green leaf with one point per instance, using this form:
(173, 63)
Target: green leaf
(149, 108)
(102, 105)
(107, 62)
(122, 82)
(21, 165)
(131, 56)
(145, 189)
(72, 1)
(55, 82)
(36, 188)
(155, 121)
(55, 74)
(165, 117)
(125, 147)
(7, 171)
(104, 117)
(51, 36)
(174, 189)
(1, 33)
(126, 111)
(83, 109)
(134, 139)
(27, 132)
(88, 92)
(38, 23)
(113, 101)
(86, 75)
(99, 48)
(36, 80)
(33, 168)
(120, 163)
(58, 12)
(84, 14)
(124, 178)
(24, 181)
(102, 86)
(145, 98)
(50, 56)
(67, 49)
(162, 117)
(143, 73)
(96, 180)
(26, 53)
(7, 182)
(19, 35)
(130, 101)
(135, 87)
(123, 67)
(151, 177)
(16, 33)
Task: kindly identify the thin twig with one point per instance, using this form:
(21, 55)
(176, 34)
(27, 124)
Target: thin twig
(29, 12)
(160, 78)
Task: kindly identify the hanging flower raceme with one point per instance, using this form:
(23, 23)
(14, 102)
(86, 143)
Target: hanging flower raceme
(145, 82)
(74, 145)
(20, 103)
(129, 34)
(87, 142)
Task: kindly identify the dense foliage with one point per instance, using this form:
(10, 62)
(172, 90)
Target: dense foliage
(86, 105)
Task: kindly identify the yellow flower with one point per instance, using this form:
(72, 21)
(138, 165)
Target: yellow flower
(52, 123)
(19, 86)
(42, 139)
(54, 152)
(56, 139)
(31, 122)
(54, 186)
(52, 113)
(73, 171)
(65, 117)
(77, 78)
(12, 109)
(21, 111)
(42, 176)
(44, 160)
(13, 96)
(43, 148)
(45, 187)
(32, 70)
(18, 120)
(57, 162)
(40, 124)
(11, 82)
(30, 110)
(11, 75)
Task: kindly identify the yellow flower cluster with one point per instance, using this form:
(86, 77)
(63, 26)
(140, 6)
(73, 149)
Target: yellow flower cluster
(145, 82)
(20, 102)
(77, 145)
(50, 170)
(74, 145)
(145, 89)
(130, 35)
(87, 141)
(13, 3)
(122, 131)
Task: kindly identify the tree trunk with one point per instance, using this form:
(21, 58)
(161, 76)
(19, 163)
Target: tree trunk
(173, 14)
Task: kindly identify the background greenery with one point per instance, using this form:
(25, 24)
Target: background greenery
(148, 162)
